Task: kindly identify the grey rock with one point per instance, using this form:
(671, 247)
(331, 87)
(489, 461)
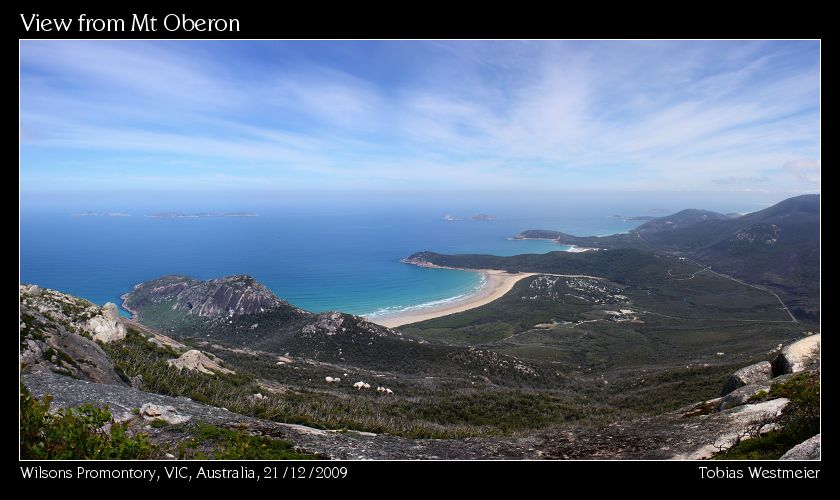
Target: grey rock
(328, 323)
(720, 431)
(136, 381)
(799, 356)
(228, 296)
(167, 413)
(806, 450)
(32, 353)
(741, 395)
(753, 374)
(671, 436)
(107, 327)
(90, 361)
(56, 348)
(199, 361)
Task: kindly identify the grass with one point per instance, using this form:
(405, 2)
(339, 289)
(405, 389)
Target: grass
(214, 442)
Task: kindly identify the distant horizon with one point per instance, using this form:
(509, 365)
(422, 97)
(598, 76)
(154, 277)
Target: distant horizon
(246, 119)
(639, 203)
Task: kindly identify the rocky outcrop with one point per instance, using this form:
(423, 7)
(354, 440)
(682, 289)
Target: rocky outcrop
(806, 450)
(168, 414)
(231, 295)
(799, 356)
(326, 323)
(742, 395)
(753, 374)
(108, 326)
(54, 336)
(199, 361)
(720, 431)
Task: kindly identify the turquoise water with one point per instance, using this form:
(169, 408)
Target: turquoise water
(338, 257)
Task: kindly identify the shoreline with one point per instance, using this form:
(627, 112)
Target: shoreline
(577, 249)
(126, 308)
(496, 284)
(572, 247)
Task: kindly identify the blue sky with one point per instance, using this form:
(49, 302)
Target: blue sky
(425, 116)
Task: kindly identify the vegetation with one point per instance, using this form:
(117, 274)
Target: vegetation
(799, 421)
(462, 406)
(642, 332)
(625, 265)
(778, 247)
(573, 324)
(87, 432)
(213, 442)
(549, 353)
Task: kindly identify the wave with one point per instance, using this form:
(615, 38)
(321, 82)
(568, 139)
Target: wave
(397, 310)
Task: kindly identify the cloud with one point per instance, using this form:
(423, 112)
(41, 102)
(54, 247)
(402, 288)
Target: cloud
(805, 169)
(731, 179)
(659, 115)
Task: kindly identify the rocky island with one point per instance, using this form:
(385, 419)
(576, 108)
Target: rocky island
(180, 215)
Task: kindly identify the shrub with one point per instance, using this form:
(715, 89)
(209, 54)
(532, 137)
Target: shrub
(78, 433)
(229, 444)
(799, 421)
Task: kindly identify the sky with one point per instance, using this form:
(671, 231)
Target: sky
(419, 116)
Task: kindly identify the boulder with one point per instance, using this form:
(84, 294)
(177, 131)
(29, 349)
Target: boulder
(742, 394)
(753, 374)
(798, 356)
(57, 348)
(806, 450)
(90, 362)
(31, 352)
(107, 326)
(197, 360)
(168, 414)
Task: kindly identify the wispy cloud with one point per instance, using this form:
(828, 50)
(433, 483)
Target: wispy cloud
(805, 169)
(732, 180)
(422, 115)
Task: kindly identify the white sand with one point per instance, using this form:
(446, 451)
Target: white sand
(497, 283)
(577, 249)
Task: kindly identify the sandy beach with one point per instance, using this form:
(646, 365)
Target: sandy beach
(497, 283)
(577, 249)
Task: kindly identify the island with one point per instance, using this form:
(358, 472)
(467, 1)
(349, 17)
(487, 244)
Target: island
(91, 213)
(180, 215)
(629, 218)
(477, 217)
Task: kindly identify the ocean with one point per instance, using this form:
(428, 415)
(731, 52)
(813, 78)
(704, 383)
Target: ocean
(319, 256)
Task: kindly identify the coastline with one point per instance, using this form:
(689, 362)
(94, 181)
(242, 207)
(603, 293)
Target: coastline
(496, 284)
(572, 247)
(577, 249)
(125, 307)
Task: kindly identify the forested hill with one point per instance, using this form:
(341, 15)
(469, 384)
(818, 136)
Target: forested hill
(778, 247)
(620, 265)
